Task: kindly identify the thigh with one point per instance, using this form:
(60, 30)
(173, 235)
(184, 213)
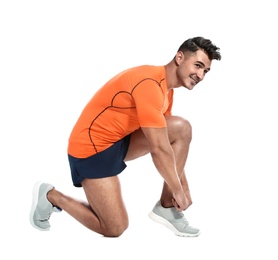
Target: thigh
(138, 145)
(105, 198)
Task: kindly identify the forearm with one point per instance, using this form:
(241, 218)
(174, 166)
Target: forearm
(164, 162)
(164, 159)
(185, 186)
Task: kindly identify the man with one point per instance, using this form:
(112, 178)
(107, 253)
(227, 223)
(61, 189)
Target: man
(129, 117)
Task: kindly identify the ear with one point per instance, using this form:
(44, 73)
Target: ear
(179, 57)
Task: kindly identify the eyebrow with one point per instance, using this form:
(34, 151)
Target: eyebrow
(201, 63)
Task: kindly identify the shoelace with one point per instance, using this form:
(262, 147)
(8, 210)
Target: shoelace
(181, 215)
(47, 216)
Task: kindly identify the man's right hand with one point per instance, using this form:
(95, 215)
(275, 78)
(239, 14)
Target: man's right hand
(180, 201)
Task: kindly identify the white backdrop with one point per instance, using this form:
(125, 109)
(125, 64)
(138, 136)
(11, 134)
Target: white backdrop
(55, 54)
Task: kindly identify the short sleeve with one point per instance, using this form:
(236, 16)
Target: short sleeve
(149, 101)
(170, 100)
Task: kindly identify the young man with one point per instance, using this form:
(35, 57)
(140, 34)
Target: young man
(129, 117)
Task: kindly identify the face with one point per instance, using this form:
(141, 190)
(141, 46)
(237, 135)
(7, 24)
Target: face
(192, 68)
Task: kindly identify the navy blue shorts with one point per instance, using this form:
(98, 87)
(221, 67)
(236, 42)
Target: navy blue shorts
(107, 163)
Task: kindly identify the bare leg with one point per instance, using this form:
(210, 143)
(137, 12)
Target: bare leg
(105, 213)
(180, 134)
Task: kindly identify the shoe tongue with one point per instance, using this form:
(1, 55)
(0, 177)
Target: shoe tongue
(176, 214)
(172, 213)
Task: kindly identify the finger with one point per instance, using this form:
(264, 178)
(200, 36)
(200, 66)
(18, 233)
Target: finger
(176, 205)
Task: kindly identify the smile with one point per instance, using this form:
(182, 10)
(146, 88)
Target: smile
(195, 81)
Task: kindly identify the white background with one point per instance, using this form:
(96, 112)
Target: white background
(55, 54)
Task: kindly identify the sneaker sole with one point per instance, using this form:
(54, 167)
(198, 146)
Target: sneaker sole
(34, 205)
(167, 224)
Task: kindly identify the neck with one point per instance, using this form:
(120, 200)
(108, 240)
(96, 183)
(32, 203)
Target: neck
(171, 78)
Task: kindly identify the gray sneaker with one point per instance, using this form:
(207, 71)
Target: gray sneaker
(41, 209)
(174, 220)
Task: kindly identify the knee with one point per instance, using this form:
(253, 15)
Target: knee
(115, 229)
(179, 127)
(186, 128)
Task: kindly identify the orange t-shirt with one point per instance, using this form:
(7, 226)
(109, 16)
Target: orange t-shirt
(137, 97)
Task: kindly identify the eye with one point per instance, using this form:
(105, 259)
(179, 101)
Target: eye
(198, 65)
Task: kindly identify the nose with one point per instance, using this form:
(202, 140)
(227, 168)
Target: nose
(201, 74)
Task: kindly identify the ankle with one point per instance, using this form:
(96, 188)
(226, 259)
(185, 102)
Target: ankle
(166, 203)
(51, 196)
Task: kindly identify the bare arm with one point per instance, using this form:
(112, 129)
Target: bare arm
(164, 161)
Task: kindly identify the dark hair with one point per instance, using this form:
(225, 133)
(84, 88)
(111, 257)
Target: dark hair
(197, 43)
